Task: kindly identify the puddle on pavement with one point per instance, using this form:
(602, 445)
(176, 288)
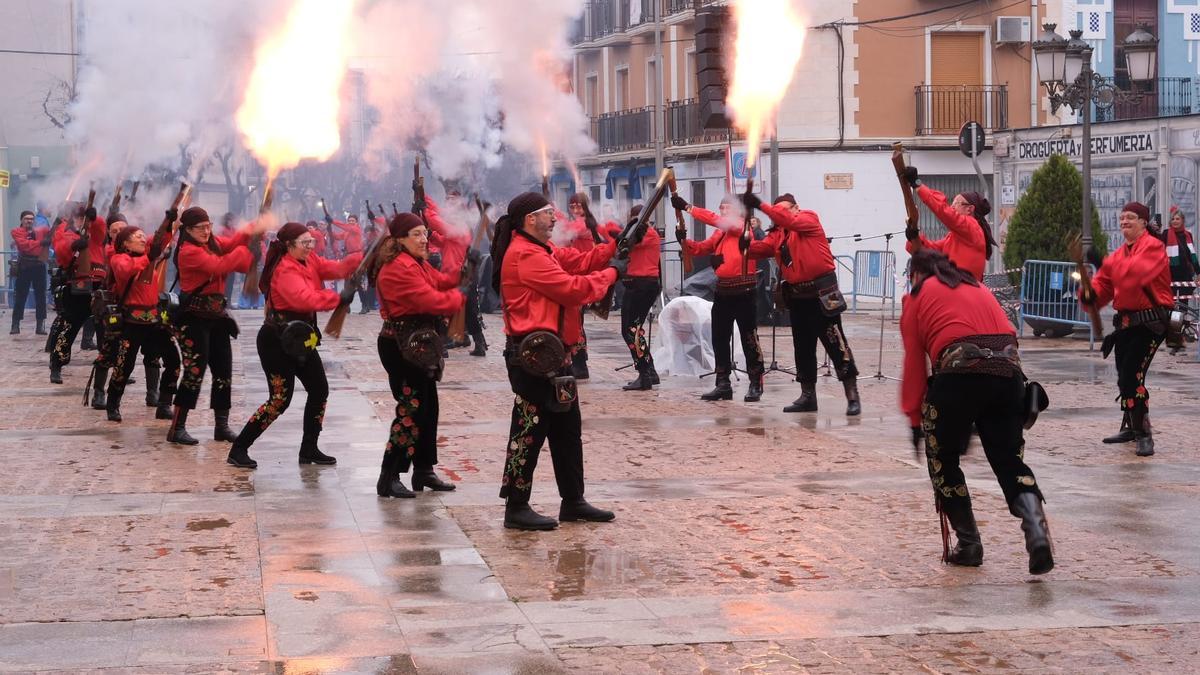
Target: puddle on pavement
(200, 525)
(577, 568)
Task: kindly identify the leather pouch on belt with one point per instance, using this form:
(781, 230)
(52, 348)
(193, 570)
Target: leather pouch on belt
(565, 393)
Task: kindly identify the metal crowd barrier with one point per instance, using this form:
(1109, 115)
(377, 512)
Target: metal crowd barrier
(1049, 295)
(874, 276)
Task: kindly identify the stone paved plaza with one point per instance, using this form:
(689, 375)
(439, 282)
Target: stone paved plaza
(746, 540)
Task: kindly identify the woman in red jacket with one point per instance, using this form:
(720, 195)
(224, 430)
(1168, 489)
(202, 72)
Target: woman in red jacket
(144, 324)
(642, 287)
(734, 300)
(968, 241)
(414, 299)
(205, 326)
(956, 325)
(292, 283)
(1136, 279)
(85, 231)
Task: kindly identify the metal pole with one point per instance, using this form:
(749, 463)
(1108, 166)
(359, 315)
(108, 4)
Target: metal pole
(1086, 234)
(659, 106)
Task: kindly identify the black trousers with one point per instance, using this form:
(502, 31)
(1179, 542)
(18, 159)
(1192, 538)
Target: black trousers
(155, 342)
(994, 406)
(533, 424)
(474, 322)
(640, 295)
(75, 309)
(809, 324)
(1134, 350)
(412, 436)
(739, 307)
(282, 372)
(30, 276)
(205, 344)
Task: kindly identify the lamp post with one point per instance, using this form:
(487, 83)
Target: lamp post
(1065, 70)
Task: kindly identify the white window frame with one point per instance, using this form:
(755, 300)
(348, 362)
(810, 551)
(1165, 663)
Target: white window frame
(618, 104)
(987, 58)
(590, 106)
(689, 66)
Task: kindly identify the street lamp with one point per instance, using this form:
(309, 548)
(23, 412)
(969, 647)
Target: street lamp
(1065, 70)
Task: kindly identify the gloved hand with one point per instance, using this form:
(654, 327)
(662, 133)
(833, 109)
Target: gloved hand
(172, 215)
(744, 241)
(679, 203)
(912, 176)
(680, 234)
(79, 244)
(621, 265)
(347, 294)
(912, 233)
(473, 256)
(328, 219)
(917, 436)
(90, 214)
(751, 201)
(1093, 256)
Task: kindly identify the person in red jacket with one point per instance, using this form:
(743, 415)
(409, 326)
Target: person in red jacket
(960, 328)
(541, 297)
(815, 305)
(204, 324)
(968, 242)
(582, 232)
(1136, 279)
(84, 232)
(32, 244)
(292, 283)
(734, 296)
(642, 288)
(366, 293)
(414, 300)
(144, 324)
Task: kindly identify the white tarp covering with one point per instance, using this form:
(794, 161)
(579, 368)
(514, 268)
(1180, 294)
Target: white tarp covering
(685, 338)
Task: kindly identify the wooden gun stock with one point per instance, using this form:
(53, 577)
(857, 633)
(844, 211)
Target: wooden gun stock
(83, 261)
(162, 237)
(114, 207)
(133, 193)
(337, 320)
(680, 226)
(1075, 250)
(632, 234)
(910, 205)
(250, 288)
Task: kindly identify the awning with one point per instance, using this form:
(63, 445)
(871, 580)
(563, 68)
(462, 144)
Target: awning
(563, 177)
(615, 174)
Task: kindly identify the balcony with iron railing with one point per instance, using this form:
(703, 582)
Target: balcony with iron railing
(631, 130)
(604, 18)
(1164, 97)
(943, 109)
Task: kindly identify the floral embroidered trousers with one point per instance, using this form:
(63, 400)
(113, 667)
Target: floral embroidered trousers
(739, 307)
(205, 344)
(809, 324)
(640, 294)
(75, 310)
(155, 342)
(995, 406)
(533, 424)
(282, 372)
(1134, 350)
(412, 436)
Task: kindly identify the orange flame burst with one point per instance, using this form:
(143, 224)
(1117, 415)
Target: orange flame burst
(545, 157)
(291, 107)
(767, 47)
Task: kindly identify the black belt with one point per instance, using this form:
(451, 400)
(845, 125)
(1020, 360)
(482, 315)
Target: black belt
(980, 354)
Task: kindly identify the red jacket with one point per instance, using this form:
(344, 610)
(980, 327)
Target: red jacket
(964, 244)
(643, 258)
(407, 286)
(203, 272)
(804, 237)
(31, 243)
(63, 239)
(125, 270)
(932, 320)
(1132, 271)
(297, 286)
(725, 242)
(351, 236)
(539, 292)
(319, 238)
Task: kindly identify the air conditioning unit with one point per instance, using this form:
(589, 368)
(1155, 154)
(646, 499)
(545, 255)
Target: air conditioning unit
(1011, 30)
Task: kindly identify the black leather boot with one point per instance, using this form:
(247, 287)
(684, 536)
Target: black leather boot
(480, 348)
(572, 510)
(755, 390)
(519, 516)
(221, 430)
(240, 457)
(853, 403)
(968, 551)
(163, 412)
(1125, 435)
(653, 375)
(1028, 507)
(16, 327)
(55, 374)
(153, 377)
(311, 454)
(178, 433)
(722, 392)
(424, 477)
(113, 407)
(1145, 443)
(807, 401)
(640, 383)
(389, 484)
(99, 379)
(41, 328)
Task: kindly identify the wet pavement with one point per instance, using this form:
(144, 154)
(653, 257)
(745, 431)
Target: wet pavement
(746, 539)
